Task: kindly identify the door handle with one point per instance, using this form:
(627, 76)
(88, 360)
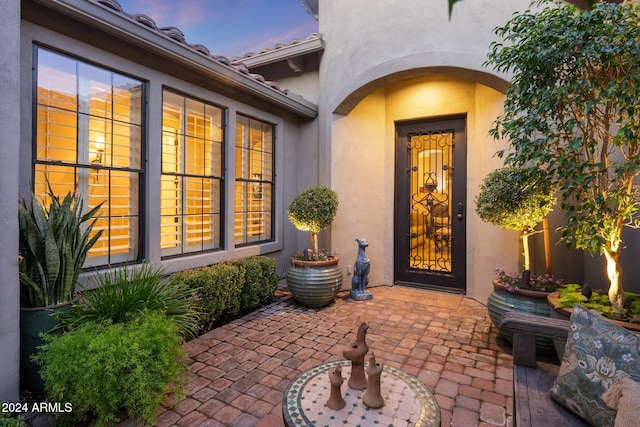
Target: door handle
(460, 212)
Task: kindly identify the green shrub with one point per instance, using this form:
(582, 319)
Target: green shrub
(218, 290)
(270, 279)
(515, 199)
(102, 368)
(251, 283)
(124, 293)
(7, 420)
(259, 281)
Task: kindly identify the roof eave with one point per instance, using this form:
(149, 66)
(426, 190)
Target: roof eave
(123, 27)
(311, 6)
(302, 48)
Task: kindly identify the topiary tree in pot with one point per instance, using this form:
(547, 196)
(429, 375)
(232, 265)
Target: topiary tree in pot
(314, 281)
(572, 112)
(515, 199)
(313, 210)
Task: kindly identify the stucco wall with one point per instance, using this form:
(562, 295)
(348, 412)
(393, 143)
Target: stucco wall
(305, 85)
(9, 141)
(382, 64)
(363, 173)
(366, 40)
(360, 175)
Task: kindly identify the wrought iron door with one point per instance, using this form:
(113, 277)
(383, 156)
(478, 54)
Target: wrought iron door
(430, 241)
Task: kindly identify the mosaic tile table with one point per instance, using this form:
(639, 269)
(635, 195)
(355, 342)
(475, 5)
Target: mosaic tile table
(408, 402)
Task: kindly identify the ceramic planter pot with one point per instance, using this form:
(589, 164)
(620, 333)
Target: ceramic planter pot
(525, 301)
(314, 283)
(33, 322)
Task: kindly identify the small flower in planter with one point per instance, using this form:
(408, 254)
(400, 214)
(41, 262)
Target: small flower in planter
(321, 255)
(542, 283)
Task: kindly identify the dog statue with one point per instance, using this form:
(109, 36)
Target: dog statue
(361, 273)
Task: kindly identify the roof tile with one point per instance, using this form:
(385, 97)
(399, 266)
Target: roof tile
(178, 36)
(278, 46)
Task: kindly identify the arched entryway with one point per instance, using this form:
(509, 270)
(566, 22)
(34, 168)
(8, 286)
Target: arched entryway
(368, 177)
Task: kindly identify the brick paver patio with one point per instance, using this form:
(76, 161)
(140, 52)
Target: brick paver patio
(239, 371)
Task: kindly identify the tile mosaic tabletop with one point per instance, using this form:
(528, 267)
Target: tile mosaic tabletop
(408, 402)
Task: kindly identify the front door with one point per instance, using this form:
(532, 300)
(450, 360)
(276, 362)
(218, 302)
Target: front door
(430, 211)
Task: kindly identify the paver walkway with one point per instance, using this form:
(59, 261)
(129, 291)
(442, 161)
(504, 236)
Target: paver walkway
(239, 371)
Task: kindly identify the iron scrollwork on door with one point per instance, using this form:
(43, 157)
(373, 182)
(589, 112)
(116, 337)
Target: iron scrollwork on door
(431, 168)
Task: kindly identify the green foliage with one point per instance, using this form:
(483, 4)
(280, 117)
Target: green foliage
(570, 296)
(103, 368)
(124, 293)
(270, 279)
(54, 243)
(598, 301)
(7, 420)
(589, 4)
(313, 209)
(259, 281)
(251, 282)
(224, 290)
(572, 112)
(515, 199)
(218, 290)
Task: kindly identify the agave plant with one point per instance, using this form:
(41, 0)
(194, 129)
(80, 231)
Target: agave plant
(53, 247)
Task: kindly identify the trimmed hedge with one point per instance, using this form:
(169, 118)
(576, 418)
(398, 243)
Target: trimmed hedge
(217, 291)
(260, 281)
(230, 288)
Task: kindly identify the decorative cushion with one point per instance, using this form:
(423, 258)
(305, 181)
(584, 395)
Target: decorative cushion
(597, 354)
(624, 396)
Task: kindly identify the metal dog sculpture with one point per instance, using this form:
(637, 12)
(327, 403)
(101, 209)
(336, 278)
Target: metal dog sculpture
(361, 273)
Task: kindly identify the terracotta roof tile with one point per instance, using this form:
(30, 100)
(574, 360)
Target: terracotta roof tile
(174, 33)
(278, 46)
(178, 36)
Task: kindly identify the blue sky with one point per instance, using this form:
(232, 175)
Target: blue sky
(230, 27)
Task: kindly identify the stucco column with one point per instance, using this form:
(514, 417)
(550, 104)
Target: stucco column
(9, 160)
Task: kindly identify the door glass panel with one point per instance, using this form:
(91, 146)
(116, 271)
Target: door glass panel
(430, 159)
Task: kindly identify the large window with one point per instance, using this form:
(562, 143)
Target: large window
(254, 181)
(89, 138)
(192, 168)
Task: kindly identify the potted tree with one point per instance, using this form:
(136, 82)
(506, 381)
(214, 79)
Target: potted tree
(54, 243)
(516, 199)
(572, 113)
(314, 277)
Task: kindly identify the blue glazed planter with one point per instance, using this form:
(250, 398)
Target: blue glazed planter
(501, 301)
(314, 284)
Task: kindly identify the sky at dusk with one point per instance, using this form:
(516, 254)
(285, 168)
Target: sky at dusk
(230, 27)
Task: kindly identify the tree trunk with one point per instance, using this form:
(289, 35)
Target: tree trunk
(525, 245)
(616, 293)
(314, 243)
(547, 246)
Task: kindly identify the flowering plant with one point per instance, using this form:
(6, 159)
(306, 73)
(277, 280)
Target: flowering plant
(513, 282)
(321, 255)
